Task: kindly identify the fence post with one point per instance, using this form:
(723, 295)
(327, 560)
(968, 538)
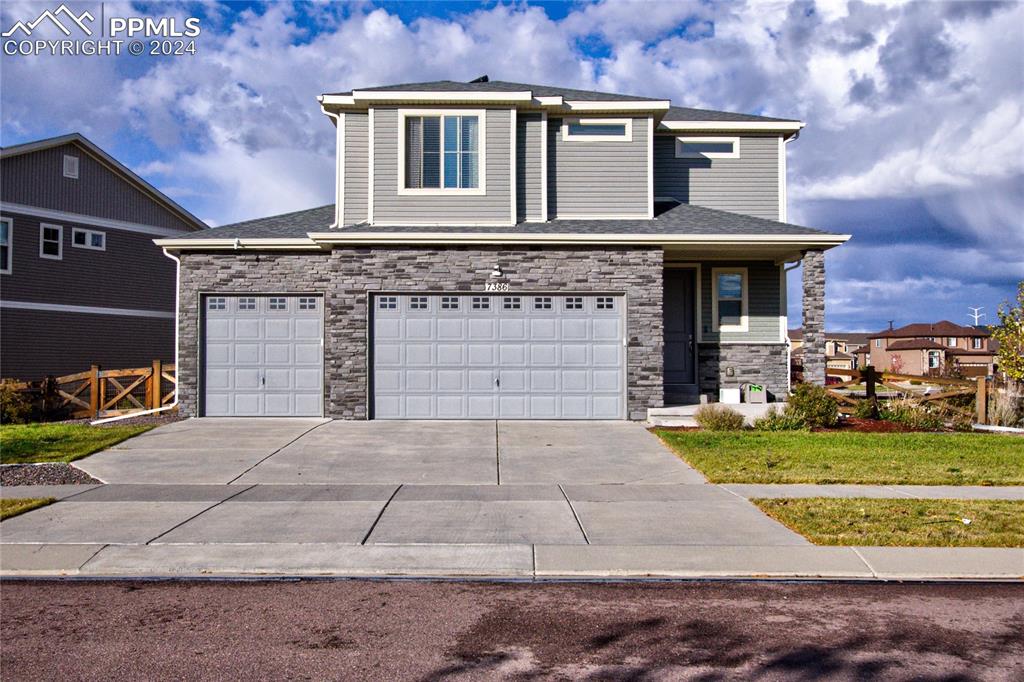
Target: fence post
(981, 400)
(94, 392)
(870, 377)
(156, 385)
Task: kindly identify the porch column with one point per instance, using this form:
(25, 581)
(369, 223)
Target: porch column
(813, 266)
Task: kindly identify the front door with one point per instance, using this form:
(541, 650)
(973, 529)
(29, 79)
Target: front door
(678, 307)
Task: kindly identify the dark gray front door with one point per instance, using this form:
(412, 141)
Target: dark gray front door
(678, 309)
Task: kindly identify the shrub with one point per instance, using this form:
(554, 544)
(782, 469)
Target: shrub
(911, 413)
(717, 417)
(15, 406)
(775, 420)
(814, 406)
(865, 409)
(1006, 408)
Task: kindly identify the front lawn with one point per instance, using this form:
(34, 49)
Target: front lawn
(901, 523)
(32, 443)
(873, 458)
(9, 508)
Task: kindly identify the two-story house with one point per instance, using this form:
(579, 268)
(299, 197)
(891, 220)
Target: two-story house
(841, 349)
(929, 348)
(81, 281)
(504, 250)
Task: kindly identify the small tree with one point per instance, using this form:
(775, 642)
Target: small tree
(1010, 335)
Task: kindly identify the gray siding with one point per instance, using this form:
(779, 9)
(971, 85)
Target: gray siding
(748, 185)
(762, 306)
(391, 207)
(529, 157)
(37, 179)
(597, 178)
(356, 167)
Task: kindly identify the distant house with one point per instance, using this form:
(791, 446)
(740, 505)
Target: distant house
(840, 348)
(81, 281)
(926, 349)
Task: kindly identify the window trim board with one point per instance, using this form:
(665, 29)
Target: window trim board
(88, 233)
(60, 241)
(584, 121)
(734, 154)
(481, 114)
(10, 247)
(744, 325)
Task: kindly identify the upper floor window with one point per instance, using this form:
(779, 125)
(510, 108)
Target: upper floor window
(88, 239)
(51, 241)
(597, 129)
(443, 151)
(878, 343)
(71, 167)
(707, 147)
(976, 343)
(6, 241)
(729, 299)
(951, 341)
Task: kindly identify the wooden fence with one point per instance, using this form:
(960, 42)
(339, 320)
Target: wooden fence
(98, 393)
(872, 379)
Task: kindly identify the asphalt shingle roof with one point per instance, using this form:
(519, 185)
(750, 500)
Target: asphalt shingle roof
(925, 329)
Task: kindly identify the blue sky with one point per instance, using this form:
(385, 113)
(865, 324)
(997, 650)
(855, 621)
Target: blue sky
(915, 112)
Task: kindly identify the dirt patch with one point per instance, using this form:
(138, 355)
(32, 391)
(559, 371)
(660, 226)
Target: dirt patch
(50, 473)
(871, 426)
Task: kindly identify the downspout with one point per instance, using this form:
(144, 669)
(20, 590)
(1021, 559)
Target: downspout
(177, 294)
(337, 163)
(789, 345)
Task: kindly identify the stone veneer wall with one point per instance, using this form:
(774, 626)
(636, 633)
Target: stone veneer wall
(346, 277)
(813, 272)
(761, 363)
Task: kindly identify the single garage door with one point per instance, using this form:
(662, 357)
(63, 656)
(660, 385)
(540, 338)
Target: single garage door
(263, 356)
(498, 356)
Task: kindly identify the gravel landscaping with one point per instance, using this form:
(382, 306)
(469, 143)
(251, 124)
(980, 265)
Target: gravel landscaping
(51, 473)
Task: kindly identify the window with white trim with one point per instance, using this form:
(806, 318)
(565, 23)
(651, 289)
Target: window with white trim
(933, 359)
(951, 341)
(449, 303)
(216, 303)
(6, 243)
(597, 129)
(481, 303)
(729, 299)
(418, 303)
(307, 303)
(542, 303)
(605, 303)
(51, 241)
(442, 152)
(387, 303)
(247, 304)
(976, 343)
(878, 343)
(278, 303)
(88, 239)
(574, 303)
(707, 147)
(71, 167)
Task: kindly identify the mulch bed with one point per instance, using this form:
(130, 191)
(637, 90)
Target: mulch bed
(50, 473)
(870, 426)
(155, 419)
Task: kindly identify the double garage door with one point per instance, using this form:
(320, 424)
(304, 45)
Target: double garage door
(462, 356)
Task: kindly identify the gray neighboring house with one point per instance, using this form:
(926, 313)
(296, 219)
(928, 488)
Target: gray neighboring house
(513, 251)
(81, 281)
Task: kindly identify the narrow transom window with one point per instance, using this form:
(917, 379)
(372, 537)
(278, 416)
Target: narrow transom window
(542, 303)
(71, 167)
(387, 303)
(449, 303)
(707, 147)
(442, 152)
(247, 304)
(597, 129)
(278, 304)
(51, 241)
(605, 303)
(512, 303)
(481, 303)
(216, 304)
(730, 299)
(6, 237)
(307, 303)
(574, 303)
(88, 239)
(418, 303)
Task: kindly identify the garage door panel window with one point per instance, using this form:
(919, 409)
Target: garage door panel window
(481, 303)
(278, 304)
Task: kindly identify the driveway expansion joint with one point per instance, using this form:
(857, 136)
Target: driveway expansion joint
(307, 431)
(860, 556)
(574, 515)
(373, 526)
(195, 516)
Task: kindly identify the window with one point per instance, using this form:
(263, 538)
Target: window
(442, 151)
(6, 240)
(418, 303)
(933, 359)
(51, 241)
(71, 167)
(481, 303)
(729, 299)
(512, 303)
(707, 147)
(976, 343)
(387, 303)
(597, 129)
(216, 304)
(307, 303)
(951, 341)
(878, 343)
(449, 303)
(88, 239)
(605, 303)
(278, 304)
(574, 303)
(247, 304)
(542, 303)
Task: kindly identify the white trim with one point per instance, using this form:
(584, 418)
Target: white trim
(434, 95)
(601, 216)
(60, 241)
(618, 105)
(626, 123)
(371, 169)
(10, 247)
(744, 325)
(71, 171)
(297, 243)
(88, 241)
(481, 189)
(650, 167)
(783, 306)
(783, 198)
(339, 204)
(549, 100)
(66, 217)
(544, 166)
(513, 166)
(683, 139)
(758, 126)
(86, 309)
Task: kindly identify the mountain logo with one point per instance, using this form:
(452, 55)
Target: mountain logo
(75, 20)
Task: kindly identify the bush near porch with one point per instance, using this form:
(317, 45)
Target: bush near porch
(838, 457)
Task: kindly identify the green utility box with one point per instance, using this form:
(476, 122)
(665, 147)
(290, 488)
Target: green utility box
(756, 394)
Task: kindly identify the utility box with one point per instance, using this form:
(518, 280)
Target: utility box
(729, 396)
(756, 394)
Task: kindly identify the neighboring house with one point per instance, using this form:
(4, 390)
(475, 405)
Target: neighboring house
(502, 250)
(81, 281)
(840, 348)
(925, 349)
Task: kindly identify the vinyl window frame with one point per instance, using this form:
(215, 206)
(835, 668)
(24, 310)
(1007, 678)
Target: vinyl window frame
(480, 190)
(71, 166)
(60, 241)
(976, 343)
(744, 325)
(682, 139)
(627, 135)
(88, 239)
(8, 267)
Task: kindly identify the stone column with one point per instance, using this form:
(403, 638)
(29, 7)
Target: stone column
(814, 316)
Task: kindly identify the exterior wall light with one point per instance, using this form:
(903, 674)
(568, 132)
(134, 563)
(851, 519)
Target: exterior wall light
(496, 272)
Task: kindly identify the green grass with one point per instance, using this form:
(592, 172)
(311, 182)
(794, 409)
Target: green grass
(901, 523)
(872, 458)
(13, 507)
(31, 443)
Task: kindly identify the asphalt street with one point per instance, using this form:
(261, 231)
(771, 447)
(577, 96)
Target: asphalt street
(415, 630)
